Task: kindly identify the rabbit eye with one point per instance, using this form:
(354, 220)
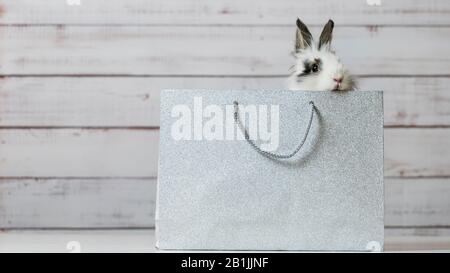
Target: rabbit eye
(315, 68)
(310, 67)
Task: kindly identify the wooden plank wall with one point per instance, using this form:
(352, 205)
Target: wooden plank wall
(79, 96)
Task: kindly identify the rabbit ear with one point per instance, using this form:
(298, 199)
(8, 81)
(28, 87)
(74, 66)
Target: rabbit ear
(325, 37)
(303, 36)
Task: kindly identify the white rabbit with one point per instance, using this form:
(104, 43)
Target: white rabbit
(317, 67)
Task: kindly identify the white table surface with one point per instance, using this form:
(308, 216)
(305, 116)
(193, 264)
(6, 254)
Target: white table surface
(143, 240)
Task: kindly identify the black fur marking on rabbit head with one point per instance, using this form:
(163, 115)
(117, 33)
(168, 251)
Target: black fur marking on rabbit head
(311, 67)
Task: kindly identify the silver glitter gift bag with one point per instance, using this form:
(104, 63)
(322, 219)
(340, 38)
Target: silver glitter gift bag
(270, 170)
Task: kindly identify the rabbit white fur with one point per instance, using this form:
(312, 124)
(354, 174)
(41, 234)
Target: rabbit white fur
(317, 67)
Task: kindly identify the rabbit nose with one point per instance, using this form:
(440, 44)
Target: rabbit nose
(338, 79)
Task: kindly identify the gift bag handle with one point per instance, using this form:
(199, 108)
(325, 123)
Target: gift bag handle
(266, 153)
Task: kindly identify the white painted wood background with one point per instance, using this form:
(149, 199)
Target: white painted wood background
(79, 96)
(143, 241)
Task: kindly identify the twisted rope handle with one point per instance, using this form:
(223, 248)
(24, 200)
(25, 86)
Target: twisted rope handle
(266, 153)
